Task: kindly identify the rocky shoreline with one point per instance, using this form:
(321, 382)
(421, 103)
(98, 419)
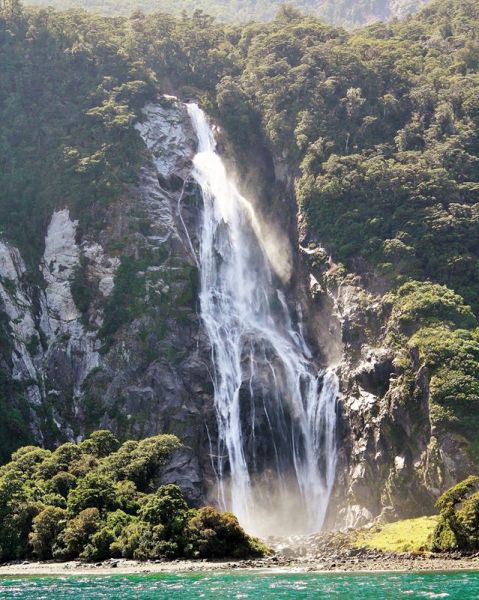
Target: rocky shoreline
(354, 560)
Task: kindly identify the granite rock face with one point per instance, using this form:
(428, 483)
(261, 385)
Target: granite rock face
(22, 356)
(393, 461)
(52, 353)
(151, 374)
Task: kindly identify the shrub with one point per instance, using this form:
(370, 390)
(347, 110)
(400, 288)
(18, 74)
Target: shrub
(154, 543)
(142, 461)
(211, 534)
(61, 483)
(78, 533)
(167, 507)
(105, 542)
(420, 303)
(432, 326)
(17, 511)
(458, 527)
(100, 443)
(27, 459)
(60, 460)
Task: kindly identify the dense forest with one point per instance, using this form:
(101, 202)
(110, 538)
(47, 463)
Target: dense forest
(102, 499)
(338, 12)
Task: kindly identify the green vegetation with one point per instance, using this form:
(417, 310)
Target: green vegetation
(458, 527)
(71, 98)
(99, 499)
(432, 326)
(408, 535)
(348, 12)
(381, 124)
(14, 415)
(455, 528)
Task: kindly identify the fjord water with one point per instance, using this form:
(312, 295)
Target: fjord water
(276, 413)
(368, 586)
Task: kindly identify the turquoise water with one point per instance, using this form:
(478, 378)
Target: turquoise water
(457, 586)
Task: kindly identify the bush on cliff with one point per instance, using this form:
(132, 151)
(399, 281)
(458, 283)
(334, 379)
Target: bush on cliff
(458, 527)
(99, 499)
(432, 327)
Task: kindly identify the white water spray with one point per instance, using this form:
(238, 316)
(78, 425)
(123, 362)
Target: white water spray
(276, 455)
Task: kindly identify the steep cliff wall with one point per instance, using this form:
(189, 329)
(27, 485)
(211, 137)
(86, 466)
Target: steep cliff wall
(394, 458)
(394, 461)
(110, 337)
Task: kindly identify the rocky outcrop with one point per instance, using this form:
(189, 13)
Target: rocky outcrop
(393, 461)
(155, 376)
(70, 352)
(52, 353)
(399, 9)
(21, 354)
(381, 10)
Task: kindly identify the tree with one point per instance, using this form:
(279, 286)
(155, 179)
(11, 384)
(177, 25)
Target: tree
(168, 508)
(211, 534)
(47, 526)
(93, 491)
(100, 443)
(78, 533)
(96, 513)
(142, 462)
(17, 511)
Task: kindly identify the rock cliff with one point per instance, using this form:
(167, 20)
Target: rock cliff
(130, 355)
(393, 461)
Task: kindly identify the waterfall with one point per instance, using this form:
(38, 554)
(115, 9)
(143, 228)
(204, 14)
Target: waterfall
(276, 414)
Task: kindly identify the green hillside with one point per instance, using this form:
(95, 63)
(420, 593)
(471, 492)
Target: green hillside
(344, 12)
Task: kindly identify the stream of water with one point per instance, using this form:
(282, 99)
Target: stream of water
(276, 412)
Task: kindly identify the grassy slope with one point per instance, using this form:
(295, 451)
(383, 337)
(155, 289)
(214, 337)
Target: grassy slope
(408, 535)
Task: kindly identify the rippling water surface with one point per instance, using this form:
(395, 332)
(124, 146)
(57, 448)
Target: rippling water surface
(457, 586)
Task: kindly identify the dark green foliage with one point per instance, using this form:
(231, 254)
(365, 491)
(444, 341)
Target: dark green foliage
(93, 491)
(61, 79)
(417, 304)
(82, 501)
(140, 461)
(432, 326)
(17, 510)
(60, 460)
(14, 414)
(128, 298)
(212, 534)
(61, 484)
(47, 527)
(76, 536)
(458, 527)
(81, 289)
(100, 443)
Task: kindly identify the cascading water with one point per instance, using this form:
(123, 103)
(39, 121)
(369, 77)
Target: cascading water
(276, 414)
